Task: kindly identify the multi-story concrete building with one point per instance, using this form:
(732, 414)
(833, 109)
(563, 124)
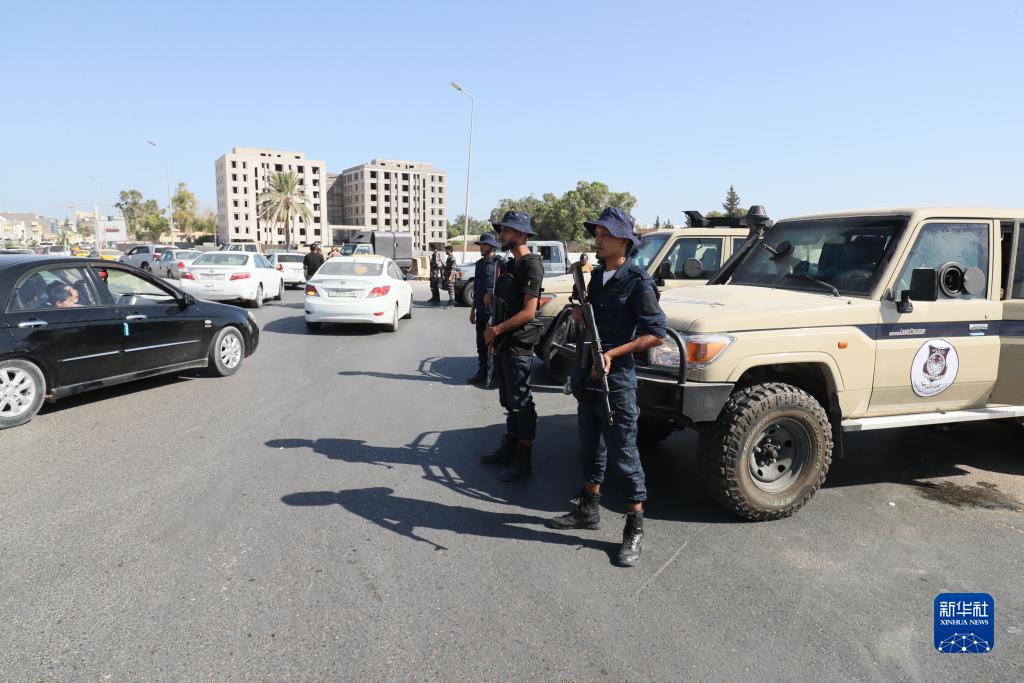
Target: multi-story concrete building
(399, 196)
(25, 227)
(242, 174)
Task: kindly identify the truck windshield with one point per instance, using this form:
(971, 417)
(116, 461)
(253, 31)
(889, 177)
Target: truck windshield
(817, 254)
(649, 248)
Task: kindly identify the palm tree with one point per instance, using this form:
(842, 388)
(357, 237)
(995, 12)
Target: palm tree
(283, 201)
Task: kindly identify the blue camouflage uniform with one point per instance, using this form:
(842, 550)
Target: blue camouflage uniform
(483, 283)
(624, 308)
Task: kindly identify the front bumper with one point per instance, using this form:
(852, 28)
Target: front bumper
(662, 394)
(377, 311)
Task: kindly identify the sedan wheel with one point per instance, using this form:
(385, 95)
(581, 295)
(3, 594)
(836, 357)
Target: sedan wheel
(393, 327)
(227, 352)
(22, 390)
(258, 301)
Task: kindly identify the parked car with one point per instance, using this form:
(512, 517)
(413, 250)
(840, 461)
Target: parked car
(552, 253)
(289, 263)
(106, 254)
(53, 250)
(233, 276)
(358, 289)
(251, 247)
(173, 261)
(145, 256)
(13, 250)
(69, 325)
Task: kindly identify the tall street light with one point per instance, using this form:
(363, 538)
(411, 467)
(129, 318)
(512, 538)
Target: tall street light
(167, 169)
(469, 169)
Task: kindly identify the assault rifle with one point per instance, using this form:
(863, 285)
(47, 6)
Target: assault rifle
(495, 304)
(592, 339)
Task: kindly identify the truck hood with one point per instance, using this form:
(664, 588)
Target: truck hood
(734, 308)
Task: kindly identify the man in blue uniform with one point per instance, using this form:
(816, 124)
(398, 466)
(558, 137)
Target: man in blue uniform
(513, 332)
(480, 315)
(629, 320)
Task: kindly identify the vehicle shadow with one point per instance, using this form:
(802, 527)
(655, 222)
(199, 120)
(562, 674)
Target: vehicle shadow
(126, 389)
(405, 516)
(297, 325)
(909, 456)
(450, 370)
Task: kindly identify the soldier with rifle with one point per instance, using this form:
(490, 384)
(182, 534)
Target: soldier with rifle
(620, 316)
(512, 334)
(480, 312)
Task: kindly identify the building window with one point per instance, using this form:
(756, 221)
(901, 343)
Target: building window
(278, 167)
(234, 176)
(387, 175)
(235, 202)
(373, 186)
(405, 176)
(316, 219)
(373, 209)
(243, 164)
(373, 197)
(236, 229)
(373, 221)
(316, 183)
(236, 216)
(316, 171)
(300, 169)
(234, 190)
(316, 207)
(247, 203)
(405, 221)
(405, 188)
(234, 164)
(316, 195)
(373, 174)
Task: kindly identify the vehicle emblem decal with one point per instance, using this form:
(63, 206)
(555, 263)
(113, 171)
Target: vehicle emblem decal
(935, 368)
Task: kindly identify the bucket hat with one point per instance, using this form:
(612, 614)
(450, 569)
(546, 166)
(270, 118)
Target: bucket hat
(517, 220)
(618, 222)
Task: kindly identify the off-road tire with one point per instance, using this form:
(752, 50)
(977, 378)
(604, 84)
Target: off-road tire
(652, 432)
(467, 293)
(725, 450)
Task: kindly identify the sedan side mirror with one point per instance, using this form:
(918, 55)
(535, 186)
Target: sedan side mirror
(187, 300)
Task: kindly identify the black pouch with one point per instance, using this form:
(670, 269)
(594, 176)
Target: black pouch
(529, 334)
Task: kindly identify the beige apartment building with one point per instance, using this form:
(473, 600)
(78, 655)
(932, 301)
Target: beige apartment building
(399, 196)
(242, 174)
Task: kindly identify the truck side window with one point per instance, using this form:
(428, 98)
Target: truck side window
(706, 250)
(1018, 273)
(940, 243)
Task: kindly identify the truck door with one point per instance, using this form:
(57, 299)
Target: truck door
(1010, 381)
(944, 354)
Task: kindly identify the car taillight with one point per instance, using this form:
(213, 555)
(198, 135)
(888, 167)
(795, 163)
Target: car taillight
(181, 265)
(185, 275)
(311, 291)
(239, 276)
(280, 267)
(379, 291)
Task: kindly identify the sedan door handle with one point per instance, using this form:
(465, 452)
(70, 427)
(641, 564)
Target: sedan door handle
(137, 316)
(33, 323)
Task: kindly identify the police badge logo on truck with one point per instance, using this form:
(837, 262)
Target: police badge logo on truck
(934, 369)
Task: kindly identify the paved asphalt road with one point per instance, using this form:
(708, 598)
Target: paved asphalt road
(323, 514)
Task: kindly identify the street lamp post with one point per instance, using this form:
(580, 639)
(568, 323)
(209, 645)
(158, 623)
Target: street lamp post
(469, 170)
(167, 170)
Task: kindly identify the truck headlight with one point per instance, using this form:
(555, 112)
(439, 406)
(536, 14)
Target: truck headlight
(701, 351)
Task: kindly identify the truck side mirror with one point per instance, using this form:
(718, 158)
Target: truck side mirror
(663, 272)
(905, 305)
(924, 285)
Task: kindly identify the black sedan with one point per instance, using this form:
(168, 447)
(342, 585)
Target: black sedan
(69, 325)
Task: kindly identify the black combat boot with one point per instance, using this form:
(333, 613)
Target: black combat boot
(586, 515)
(504, 453)
(480, 377)
(632, 540)
(521, 465)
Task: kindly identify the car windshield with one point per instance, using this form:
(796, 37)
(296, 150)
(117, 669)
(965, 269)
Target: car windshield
(221, 259)
(649, 248)
(819, 254)
(351, 268)
(186, 255)
(289, 258)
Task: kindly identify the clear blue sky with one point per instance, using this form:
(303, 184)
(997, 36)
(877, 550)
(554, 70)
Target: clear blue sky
(803, 106)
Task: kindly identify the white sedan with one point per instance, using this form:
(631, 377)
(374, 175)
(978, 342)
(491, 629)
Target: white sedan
(173, 261)
(290, 264)
(358, 289)
(232, 276)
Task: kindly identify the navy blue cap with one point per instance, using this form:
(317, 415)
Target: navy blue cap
(618, 222)
(489, 239)
(517, 220)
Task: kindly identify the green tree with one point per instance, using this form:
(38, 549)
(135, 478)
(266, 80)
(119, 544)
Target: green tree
(184, 209)
(206, 223)
(529, 204)
(657, 222)
(144, 218)
(731, 205)
(668, 224)
(563, 217)
(285, 201)
(477, 226)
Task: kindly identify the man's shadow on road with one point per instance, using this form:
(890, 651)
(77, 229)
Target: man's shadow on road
(405, 515)
(451, 370)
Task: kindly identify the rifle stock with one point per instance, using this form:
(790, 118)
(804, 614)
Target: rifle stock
(593, 337)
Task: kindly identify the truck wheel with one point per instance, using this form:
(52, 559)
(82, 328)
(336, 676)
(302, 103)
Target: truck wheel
(467, 293)
(652, 432)
(769, 451)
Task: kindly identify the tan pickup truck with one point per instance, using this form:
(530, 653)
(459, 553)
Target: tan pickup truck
(835, 323)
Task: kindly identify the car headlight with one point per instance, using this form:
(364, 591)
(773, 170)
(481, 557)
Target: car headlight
(701, 351)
